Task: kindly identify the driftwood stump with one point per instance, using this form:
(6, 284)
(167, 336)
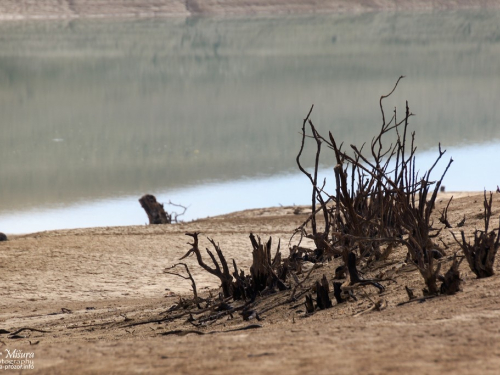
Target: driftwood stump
(155, 211)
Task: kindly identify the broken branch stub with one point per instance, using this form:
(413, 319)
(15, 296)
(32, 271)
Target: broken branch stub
(309, 304)
(337, 292)
(322, 294)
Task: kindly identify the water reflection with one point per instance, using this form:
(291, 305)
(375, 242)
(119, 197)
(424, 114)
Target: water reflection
(104, 111)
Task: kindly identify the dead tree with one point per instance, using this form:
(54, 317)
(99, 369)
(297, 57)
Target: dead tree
(320, 238)
(262, 272)
(155, 211)
(379, 198)
(414, 215)
(363, 203)
(223, 274)
(481, 253)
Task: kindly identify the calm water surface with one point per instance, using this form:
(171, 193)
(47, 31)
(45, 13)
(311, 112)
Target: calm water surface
(206, 112)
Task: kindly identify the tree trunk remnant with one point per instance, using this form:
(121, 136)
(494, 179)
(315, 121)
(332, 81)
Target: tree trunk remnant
(309, 304)
(155, 211)
(322, 294)
(337, 292)
(261, 270)
(451, 280)
(354, 275)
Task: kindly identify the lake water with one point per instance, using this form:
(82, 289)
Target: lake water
(206, 112)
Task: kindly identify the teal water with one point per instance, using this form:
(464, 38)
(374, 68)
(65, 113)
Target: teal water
(206, 112)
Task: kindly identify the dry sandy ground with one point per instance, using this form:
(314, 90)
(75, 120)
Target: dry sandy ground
(29, 9)
(84, 287)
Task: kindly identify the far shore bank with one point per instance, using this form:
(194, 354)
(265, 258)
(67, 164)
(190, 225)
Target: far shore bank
(54, 9)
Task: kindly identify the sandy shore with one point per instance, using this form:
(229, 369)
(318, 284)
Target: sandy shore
(74, 293)
(80, 289)
(57, 9)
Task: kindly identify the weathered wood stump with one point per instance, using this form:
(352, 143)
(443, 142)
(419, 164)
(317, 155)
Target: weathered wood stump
(155, 211)
(261, 270)
(322, 294)
(337, 292)
(309, 304)
(451, 279)
(354, 275)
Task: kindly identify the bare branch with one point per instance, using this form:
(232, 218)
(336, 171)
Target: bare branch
(189, 277)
